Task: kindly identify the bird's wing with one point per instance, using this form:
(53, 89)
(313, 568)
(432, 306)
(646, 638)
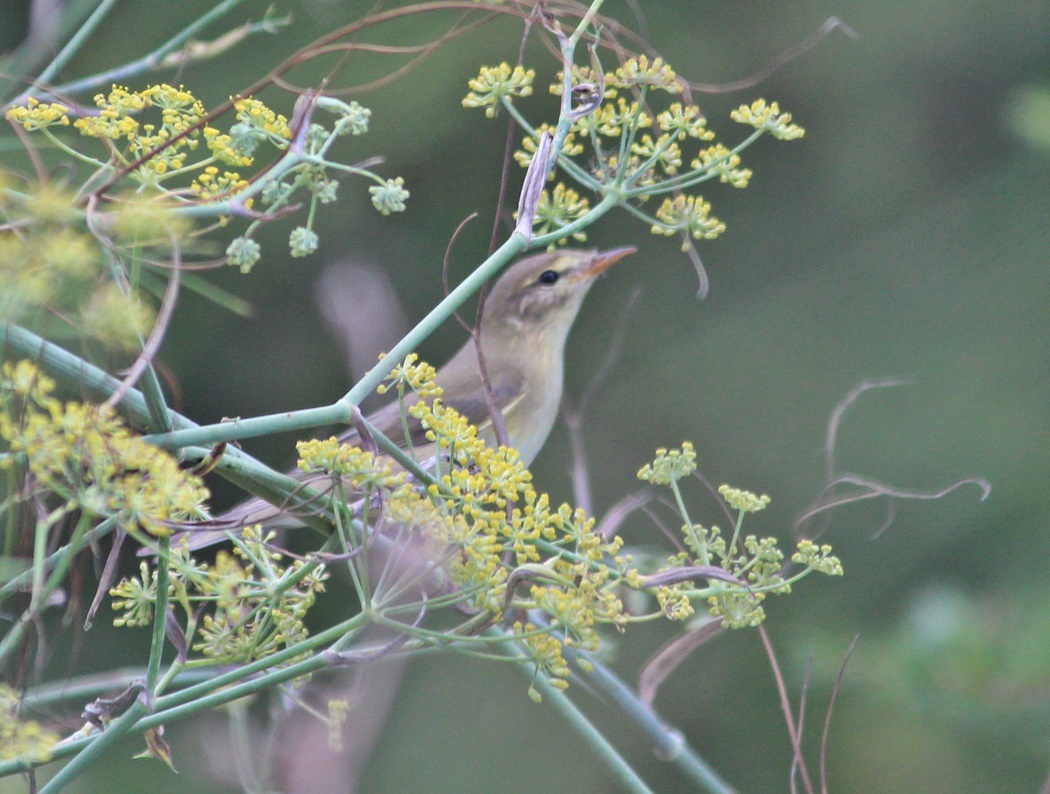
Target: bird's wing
(389, 421)
(507, 390)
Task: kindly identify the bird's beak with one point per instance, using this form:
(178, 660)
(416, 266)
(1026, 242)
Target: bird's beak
(606, 259)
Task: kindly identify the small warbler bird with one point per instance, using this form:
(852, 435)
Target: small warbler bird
(524, 326)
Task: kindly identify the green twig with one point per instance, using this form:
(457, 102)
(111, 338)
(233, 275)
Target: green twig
(91, 749)
(341, 411)
(73, 45)
(587, 730)
(160, 616)
(667, 742)
(122, 73)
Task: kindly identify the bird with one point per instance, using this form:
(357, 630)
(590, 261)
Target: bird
(523, 330)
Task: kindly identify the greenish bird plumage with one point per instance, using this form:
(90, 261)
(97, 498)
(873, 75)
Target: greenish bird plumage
(524, 327)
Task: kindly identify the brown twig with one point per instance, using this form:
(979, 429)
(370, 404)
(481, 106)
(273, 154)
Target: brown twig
(827, 715)
(785, 707)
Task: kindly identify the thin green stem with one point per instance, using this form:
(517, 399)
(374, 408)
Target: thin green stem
(585, 21)
(86, 30)
(587, 730)
(160, 616)
(701, 548)
(695, 177)
(573, 169)
(731, 552)
(627, 136)
(91, 748)
(347, 628)
(146, 63)
(41, 589)
(667, 742)
(609, 200)
(341, 411)
(87, 687)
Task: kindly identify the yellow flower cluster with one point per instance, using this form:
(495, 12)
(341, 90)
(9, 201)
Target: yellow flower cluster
(254, 616)
(43, 258)
(492, 532)
(256, 114)
(627, 159)
(744, 501)
(545, 652)
(670, 465)
(641, 71)
(610, 119)
(496, 84)
(259, 604)
(18, 737)
(819, 558)
(119, 320)
(414, 374)
(86, 455)
(720, 160)
(768, 117)
(51, 262)
(524, 155)
(741, 572)
(222, 148)
(158, 148)
(690, 214)
(160, 145)
(211, 184)
(558, 209)
(664, 151)
(686, 119)
(37, 116)
(345, 460)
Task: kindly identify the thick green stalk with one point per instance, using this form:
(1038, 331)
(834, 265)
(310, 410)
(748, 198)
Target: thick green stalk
(341, 410)
(160, 616)
(629, 779)
(116, 731)
(58, 63)
(196, 699)
(668, 743)
(16, 69)
(61, 558)
(144, 64)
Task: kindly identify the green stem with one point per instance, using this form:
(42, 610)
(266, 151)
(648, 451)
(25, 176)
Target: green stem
(701, 548)
(668, 743)
(340, 411)
(736, 535)
(585, 22)
(40, 589)
(86, 30)
(695, 177)
(94, 746)
(147, 62)
(609, 200)
(88, 687)
(160, 616)
(155, 402)
(573, 169)
(587, 730)
(77, 373)
(191, 695)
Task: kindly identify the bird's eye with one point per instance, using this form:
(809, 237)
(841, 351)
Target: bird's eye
(548, 276)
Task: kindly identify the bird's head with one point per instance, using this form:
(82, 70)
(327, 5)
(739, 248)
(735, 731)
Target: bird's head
(543, 293)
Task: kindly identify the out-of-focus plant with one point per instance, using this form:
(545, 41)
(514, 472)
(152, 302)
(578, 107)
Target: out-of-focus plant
(153, 180)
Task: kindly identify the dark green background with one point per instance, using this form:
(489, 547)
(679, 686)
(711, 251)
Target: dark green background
(906, 236)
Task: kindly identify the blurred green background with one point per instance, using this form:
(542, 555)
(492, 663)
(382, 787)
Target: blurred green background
(906, 236)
